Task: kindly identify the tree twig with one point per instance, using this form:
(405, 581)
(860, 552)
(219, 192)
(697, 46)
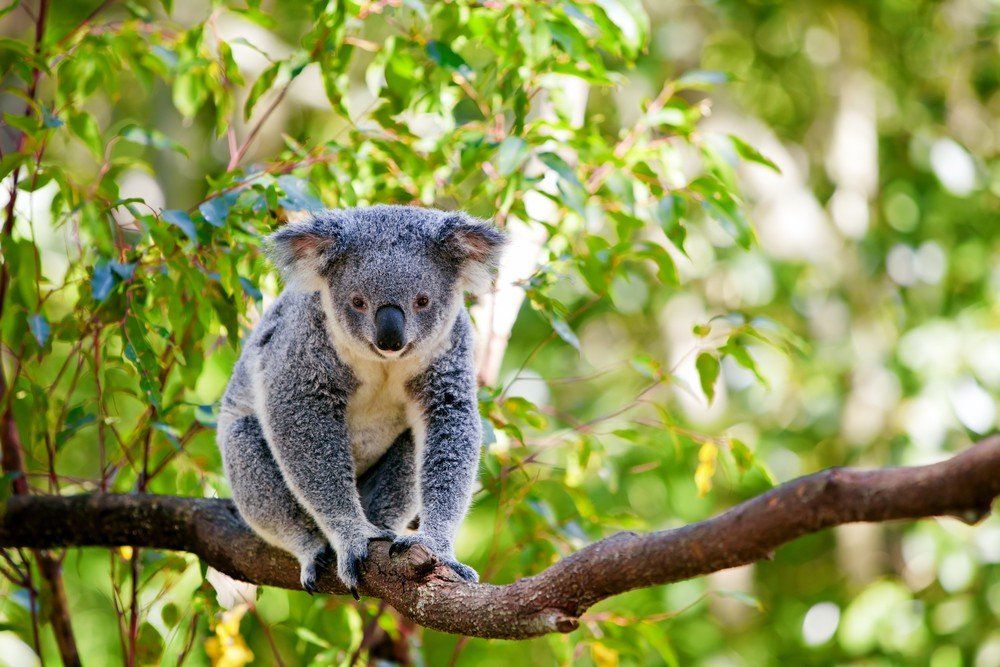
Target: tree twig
(430, 594)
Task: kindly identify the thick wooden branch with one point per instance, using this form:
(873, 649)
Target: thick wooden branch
(552, 601)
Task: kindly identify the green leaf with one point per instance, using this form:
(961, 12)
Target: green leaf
(261, 86)
(9, 8)
(700, 79)
(6, 489)
(728, 214)
(50, 120)
(660, 641)
(647, 366)
(708, 372)
(444, 56)
(666, 269)
(742, 455)
(561, 167)
(26, 124)
(189, 93)
(511, 155)
(751, 154)
(102, 281)
(40, 328)
(631, 21)
(563, 330)
(182, 220)
(10, 162)
(216, 210)
(83, 125)
(298, 194)
(139, 135)
(668, 213)
(741, 355)
(144, 359)
(307, 635)
(76, 419)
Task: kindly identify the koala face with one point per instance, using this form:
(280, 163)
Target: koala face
(391, 278)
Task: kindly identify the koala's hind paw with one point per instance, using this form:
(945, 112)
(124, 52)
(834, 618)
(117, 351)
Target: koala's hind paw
(463, 570)
(403, 543)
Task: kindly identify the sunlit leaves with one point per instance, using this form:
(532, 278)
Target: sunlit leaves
(472, 105)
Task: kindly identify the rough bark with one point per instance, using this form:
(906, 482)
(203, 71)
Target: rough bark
(552, 601)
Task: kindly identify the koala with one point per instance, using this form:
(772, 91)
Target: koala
(352, 408)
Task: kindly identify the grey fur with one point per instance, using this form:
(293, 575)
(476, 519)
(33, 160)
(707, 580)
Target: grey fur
(328, 441)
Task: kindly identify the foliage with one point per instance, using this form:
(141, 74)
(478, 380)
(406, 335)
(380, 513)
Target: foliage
(161, 142)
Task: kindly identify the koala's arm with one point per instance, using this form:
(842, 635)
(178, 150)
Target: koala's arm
(303, 400)
(452, 442)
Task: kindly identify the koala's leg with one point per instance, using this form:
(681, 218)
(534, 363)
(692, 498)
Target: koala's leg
(389, 488)
(265, 502)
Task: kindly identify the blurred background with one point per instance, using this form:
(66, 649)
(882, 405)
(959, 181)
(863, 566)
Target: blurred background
(648, 361)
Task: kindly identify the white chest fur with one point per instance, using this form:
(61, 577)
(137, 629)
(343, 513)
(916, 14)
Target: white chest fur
(381, 408)
(377, 412)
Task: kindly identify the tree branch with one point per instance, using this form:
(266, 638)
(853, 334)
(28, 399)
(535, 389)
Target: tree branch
(430, 594)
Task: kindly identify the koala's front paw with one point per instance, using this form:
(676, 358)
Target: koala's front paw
(352, 552)
(314, 568)
(442, 551)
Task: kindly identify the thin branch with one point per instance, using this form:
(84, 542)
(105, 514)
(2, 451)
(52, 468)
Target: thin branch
(430, 594)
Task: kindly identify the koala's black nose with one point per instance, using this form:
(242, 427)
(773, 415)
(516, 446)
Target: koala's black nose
(389, 333)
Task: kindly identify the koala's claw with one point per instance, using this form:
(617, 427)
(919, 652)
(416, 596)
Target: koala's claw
(354, 593)
(308, 578)
(314, 569)
(398, 547)
(463, 570)
(326, 557)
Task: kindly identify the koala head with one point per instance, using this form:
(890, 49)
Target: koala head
(391, 278)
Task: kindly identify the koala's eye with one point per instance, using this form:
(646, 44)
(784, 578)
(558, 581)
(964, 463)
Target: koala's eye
(358, 303)
(422, 301)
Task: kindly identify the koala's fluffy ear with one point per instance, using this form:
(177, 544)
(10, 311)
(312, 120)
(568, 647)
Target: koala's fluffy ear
(475, 246)
(303, 250)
